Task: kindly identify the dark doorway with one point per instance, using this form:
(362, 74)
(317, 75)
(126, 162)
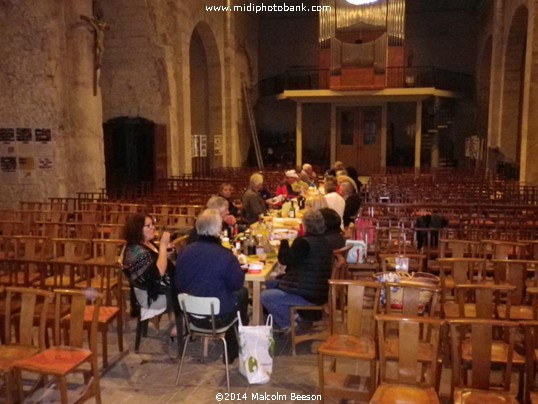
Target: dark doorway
(129, 153)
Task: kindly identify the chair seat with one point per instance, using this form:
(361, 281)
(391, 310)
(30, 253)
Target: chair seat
(97, 282)
(57, 361)
(403, 394)
(206, 331)
(64, 280)
(499, 353)
(392, 350)
(33, 277)
(9, 354)
(516, 312)
(106, 314)
(471, 396)
(349, 346)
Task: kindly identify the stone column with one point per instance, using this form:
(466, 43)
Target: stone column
(418, 134)
(299, 134)
(529, 147)
(84, 152)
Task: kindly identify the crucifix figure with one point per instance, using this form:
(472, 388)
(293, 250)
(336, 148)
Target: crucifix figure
(99, 29)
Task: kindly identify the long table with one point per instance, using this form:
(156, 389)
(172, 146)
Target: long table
(256, 280)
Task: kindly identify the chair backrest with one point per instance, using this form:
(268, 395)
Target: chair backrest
(410, 333)
(415, 262)
(515, 273)
(411, 298)
(361, 299)
(484, 298)
(340, 267)
(503, 250)
(456, 248)
(199, 306)
(29, 307)
(464, 270)
(479, 349)
(531, 344)
(77, 301)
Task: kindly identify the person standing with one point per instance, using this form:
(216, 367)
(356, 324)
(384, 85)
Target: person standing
(253, 203)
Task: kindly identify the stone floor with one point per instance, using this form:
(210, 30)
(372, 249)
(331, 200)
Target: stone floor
(149, 377)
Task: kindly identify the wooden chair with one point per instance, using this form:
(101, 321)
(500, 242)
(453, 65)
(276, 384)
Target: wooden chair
(531, 359)
(410, 384)
(477, 353)
(515, 273)
(106, 251)
(23, 273)
(503, 250)
(68, 355)
(413, 299)
(477, 301)
(456, 271)
(106, 279)
(32, 247)
(339, 271)
(353, 339)
(458, 248)
(19, 310)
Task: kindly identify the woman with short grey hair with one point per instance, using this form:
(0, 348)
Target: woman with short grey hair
(308, 268)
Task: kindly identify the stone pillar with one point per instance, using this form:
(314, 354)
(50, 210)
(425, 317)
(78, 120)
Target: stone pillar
(529, 148)
(434, 135)
(299, 140)
(497, 66)
(384, 113)
(333, 134)
(418, 134)
(84, 151)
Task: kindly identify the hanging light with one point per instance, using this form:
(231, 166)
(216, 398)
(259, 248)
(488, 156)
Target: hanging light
(361, 2)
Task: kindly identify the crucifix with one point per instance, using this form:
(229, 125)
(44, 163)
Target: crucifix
(99, 29)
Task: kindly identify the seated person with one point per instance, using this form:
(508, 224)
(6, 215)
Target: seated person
(333, 231)
(308, 175)
(292, 186)
(225, 191)
(148, 269)
(253, 203)
(205, 268)
(352, 202)
(333, 199)
(315, 202)
(228, 221)
(308, 268)
(354, 175)
(337, 166)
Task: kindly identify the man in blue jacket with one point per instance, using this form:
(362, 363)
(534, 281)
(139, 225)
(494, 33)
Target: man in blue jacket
(206, 269)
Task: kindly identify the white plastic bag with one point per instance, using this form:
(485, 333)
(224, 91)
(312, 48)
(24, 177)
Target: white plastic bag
(357, 254)
(256, 351)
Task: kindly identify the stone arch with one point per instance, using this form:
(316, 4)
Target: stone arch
(513, 84)
(205, 98)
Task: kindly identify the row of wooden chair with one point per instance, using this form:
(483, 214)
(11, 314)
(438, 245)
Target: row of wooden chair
(66, 355)
(359, 333)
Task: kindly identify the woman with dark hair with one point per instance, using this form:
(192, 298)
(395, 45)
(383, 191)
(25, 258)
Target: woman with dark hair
(147, 267)
(308, 268)
(333, 231)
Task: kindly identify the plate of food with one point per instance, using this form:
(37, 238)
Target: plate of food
(284, 234)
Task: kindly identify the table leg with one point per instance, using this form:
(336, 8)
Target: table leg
(257, 313)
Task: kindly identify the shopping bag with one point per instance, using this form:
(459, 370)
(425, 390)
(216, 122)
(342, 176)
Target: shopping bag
(358, 252)
(256, 351)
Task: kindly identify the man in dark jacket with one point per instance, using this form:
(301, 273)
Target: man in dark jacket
(206, 269)
(308, 268)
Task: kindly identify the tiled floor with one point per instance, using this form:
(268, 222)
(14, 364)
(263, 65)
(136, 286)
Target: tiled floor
(149, 377)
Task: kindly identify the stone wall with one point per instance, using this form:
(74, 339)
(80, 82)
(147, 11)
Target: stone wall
(46, 76)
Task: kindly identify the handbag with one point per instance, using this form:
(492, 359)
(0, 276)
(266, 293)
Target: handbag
(358, 252)
(256, 351)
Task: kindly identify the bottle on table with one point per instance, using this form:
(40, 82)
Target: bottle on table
(291, 212)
